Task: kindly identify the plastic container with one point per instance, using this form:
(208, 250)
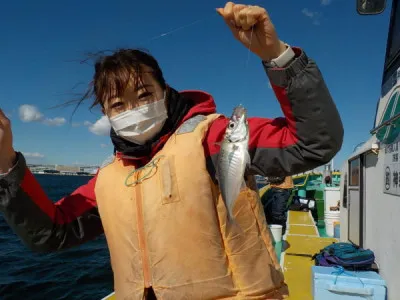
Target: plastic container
(331, 197)
(329, 283)
(330, 218)
(301, 193)
(276, 231)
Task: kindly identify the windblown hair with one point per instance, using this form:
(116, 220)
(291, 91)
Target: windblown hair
(112, 74)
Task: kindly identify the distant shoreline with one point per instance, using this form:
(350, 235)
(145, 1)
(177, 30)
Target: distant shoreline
(58, 174)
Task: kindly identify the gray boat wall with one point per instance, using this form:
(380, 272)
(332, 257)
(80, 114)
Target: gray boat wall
(371, 217)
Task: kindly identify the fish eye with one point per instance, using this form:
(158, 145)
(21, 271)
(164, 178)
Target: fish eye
(231, 125)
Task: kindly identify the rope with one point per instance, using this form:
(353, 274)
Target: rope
(152, 164)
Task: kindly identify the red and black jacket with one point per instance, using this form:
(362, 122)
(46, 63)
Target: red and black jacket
(309, 135)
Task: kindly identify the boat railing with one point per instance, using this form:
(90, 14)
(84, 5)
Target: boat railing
(386, 123)
(303, 183)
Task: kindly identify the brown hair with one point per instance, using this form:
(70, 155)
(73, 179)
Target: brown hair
(113, 73)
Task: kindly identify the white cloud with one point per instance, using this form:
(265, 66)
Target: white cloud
(75, 124)
(101, 126)
(103, 145)
(313, 15)
(54, 122)
(32, 155)
(307, 12)
(326, 2)
(29, 113)
(87, 123)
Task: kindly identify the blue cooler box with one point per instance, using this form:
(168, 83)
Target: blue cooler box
(329, 283)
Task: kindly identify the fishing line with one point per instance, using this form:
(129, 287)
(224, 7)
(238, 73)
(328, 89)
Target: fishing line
(91, 56)
(94, 55)
(248, 52)
(177, 29)
(156, 37)
(165, 34)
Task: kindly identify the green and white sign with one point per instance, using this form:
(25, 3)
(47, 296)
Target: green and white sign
(389, 134)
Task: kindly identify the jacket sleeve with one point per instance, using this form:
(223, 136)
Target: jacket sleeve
(42, 225)
(309, 135)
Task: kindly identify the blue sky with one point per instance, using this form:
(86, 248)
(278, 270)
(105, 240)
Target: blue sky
(41, 40)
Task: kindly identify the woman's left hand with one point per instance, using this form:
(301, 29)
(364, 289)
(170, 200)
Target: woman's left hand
(241, 18)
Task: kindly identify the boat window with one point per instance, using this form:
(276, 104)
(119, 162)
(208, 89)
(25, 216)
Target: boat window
(299, 180)
(392, 59)
(345, 191)
(354, 171)
(394, 130)
(394, 39)
(392, 110)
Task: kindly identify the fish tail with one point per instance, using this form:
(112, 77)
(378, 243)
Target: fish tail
(230, 218)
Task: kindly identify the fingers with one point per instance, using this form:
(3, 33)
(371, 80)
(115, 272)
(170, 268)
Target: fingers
(4, 121)
(246, 18)
(242, 16)
(228, 15)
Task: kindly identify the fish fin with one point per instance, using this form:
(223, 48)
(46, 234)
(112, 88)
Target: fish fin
(216, 174)
(247, 159)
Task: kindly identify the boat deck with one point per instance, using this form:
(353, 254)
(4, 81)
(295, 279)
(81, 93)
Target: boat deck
(300, 242)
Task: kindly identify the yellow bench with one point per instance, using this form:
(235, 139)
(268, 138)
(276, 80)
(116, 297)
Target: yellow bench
(300, 218)
(306, 230)
(300, 243)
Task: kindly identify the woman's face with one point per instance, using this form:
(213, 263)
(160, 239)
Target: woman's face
(136, 94)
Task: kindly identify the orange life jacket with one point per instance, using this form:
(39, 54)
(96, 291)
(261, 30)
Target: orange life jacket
(286, 184)
(166, 228)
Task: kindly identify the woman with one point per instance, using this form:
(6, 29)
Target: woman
(157, 199)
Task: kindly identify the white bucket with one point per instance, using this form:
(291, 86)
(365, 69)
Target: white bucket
(331, 197)
(276, 231)
(330, 218)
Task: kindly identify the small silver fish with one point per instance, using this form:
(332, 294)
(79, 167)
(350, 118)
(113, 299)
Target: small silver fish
(233, 158)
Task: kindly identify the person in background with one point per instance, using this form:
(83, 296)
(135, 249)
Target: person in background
(156, 198)
(275, 200)
(328, 180)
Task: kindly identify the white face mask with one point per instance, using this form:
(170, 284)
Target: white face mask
(142, 123)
